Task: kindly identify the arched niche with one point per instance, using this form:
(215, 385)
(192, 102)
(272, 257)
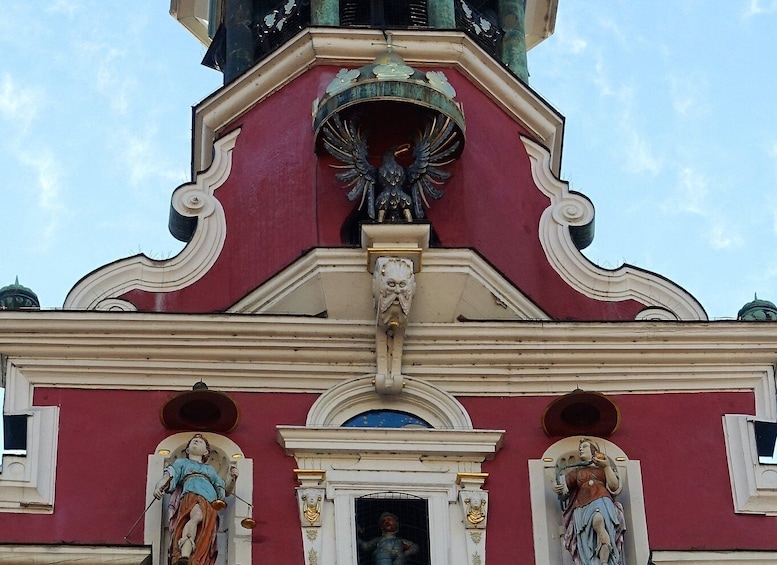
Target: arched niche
(234, 539)
(356, 396)
(546, 511)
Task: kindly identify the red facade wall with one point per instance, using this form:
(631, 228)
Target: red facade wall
(105, 438)
(281, 199)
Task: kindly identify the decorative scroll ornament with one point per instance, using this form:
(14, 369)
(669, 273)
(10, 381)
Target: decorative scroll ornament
(402, 192)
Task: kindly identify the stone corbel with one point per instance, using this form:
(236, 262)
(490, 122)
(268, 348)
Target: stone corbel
(473, 501)
(393, 258)
(310, 501)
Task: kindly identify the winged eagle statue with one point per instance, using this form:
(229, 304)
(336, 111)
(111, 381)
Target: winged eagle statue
(392, 192)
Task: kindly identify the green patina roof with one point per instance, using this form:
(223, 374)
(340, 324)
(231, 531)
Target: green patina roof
(18, 297)
(758, 310)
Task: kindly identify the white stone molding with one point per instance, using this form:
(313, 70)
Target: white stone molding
(193, 200)
(25, 554)
(355, 396)
(224, 452)
(546, 511)
(115, 305)
(753, 484)
(150, 351)
(455, 284)
(27, 483)
(357, 47)
(714, 557)
(568, 209)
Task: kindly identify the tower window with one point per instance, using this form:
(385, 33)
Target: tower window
(384, 13)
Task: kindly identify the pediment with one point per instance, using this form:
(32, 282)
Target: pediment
(452, 285)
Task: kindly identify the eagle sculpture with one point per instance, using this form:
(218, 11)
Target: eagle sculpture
(401, 192)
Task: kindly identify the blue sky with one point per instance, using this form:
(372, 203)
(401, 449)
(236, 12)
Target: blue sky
(671, 131)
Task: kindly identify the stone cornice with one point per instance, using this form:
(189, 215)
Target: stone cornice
(128, 350)
(476, 445)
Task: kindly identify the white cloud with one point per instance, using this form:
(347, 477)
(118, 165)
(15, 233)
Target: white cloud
(693, 192)
(639, 155)
(19, 105)
(723, 237)
(67, 7)
(757, 7)
(144, 161)
(686, 93)
(49, 176)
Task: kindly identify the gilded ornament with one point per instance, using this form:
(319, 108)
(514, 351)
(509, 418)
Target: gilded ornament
(311, 533)
(392, 70)
(439, 81)
(342, 80)
(476, 536)
(312, 557)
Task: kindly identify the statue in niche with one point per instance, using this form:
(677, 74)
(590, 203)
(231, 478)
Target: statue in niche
(593, 520)
(393, 286)
(389, 549)
(403, 191)
(198, 493)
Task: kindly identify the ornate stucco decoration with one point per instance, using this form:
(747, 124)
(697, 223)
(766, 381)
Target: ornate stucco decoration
(396, 108)
(310, 499)
(393, 287)
(473, 501)
(394, 254)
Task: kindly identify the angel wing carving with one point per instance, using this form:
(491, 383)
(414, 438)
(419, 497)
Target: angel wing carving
(403, 192)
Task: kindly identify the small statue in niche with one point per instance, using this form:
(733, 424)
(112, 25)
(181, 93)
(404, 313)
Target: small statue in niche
(593, 520)
(389, 549)
(198, 493)
(393, 286)
(403, 191)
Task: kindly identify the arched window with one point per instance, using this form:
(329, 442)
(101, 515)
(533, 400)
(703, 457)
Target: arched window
(382, 418)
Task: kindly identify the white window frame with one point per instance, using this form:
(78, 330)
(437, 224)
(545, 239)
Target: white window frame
(421, 462)
(27, 482)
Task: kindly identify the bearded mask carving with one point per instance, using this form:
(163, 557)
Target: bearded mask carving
(393, 286)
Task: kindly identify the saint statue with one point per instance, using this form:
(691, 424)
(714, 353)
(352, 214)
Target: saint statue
(389, 549)
(593, 520)
(198, 492)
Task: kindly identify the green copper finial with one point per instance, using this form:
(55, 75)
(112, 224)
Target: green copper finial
(758, 311)
(18, 297)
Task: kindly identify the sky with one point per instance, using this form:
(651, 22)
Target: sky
(671, 131)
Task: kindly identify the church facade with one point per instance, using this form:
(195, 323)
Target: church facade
(384, 329)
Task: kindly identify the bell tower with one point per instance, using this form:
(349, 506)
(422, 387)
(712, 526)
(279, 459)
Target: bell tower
(239, 33)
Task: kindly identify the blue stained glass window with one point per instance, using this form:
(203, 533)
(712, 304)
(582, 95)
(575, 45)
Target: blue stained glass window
(386, 419)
